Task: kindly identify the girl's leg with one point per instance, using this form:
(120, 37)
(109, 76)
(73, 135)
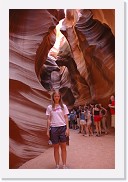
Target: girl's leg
(99, 126)
(97, 130)
(90, 130)
(86, 129)
(104, 124)
(63, 152)
(75, 125)
(56, 153)
(90, 127)
(81, 128)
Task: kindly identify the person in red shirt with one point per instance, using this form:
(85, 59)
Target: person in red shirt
(112, 110)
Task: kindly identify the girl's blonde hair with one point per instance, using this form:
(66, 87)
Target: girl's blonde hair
(60, 101)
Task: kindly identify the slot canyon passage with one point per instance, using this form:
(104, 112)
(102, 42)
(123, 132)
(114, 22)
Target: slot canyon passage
(70, 50)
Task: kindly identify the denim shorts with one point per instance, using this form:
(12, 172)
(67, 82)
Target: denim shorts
(58, 134)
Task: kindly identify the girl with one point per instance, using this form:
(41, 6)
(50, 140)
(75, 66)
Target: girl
(82, 121)
(97, 119)
(57, 120)
(89, 122)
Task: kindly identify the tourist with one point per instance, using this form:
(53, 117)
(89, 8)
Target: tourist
(57, 120)
(112, 110)
(73, 119)
(78, 117)
(89, 122)
(83, 124)
(97, 119)
(103, 113)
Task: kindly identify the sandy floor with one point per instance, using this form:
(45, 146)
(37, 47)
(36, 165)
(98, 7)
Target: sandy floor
(82, 153)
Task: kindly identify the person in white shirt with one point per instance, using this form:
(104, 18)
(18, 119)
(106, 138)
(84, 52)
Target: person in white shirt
(57, 120)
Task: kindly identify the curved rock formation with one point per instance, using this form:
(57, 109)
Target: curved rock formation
(32, 34)
(82, 69)
(93, 47)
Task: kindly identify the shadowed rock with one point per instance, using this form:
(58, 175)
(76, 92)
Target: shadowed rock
(85, 72)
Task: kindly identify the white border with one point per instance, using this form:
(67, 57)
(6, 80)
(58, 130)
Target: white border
(116, 173)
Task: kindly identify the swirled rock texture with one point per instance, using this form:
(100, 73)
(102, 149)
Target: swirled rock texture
(93, 50)
(31, 36)
(83, 69)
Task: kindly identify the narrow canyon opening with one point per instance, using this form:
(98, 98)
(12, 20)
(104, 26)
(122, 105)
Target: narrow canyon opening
(81, 58)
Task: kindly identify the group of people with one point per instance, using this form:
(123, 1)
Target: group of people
(88, 119)
(91, 118)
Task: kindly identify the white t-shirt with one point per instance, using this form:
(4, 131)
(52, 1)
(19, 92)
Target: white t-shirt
(57, 115)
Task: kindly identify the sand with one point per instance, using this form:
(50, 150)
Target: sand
(82, 153)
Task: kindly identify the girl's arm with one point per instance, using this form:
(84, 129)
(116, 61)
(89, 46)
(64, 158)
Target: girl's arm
(67, 125)
(111, 106)
(104, 110)
(48, 125)
(93, 112)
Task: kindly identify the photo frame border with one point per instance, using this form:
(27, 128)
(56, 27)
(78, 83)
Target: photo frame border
(119, 171)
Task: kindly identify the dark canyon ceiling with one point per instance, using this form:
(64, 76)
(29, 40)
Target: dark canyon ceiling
(79, 60)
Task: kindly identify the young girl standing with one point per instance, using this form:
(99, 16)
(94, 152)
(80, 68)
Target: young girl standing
(89, 122)
(97, 119)
(57, 120)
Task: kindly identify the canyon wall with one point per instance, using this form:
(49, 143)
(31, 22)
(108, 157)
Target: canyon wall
(83, 69)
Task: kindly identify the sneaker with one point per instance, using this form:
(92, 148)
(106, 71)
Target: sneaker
(91, 134)
(86, 135)
(64, 167)
(57, 167)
